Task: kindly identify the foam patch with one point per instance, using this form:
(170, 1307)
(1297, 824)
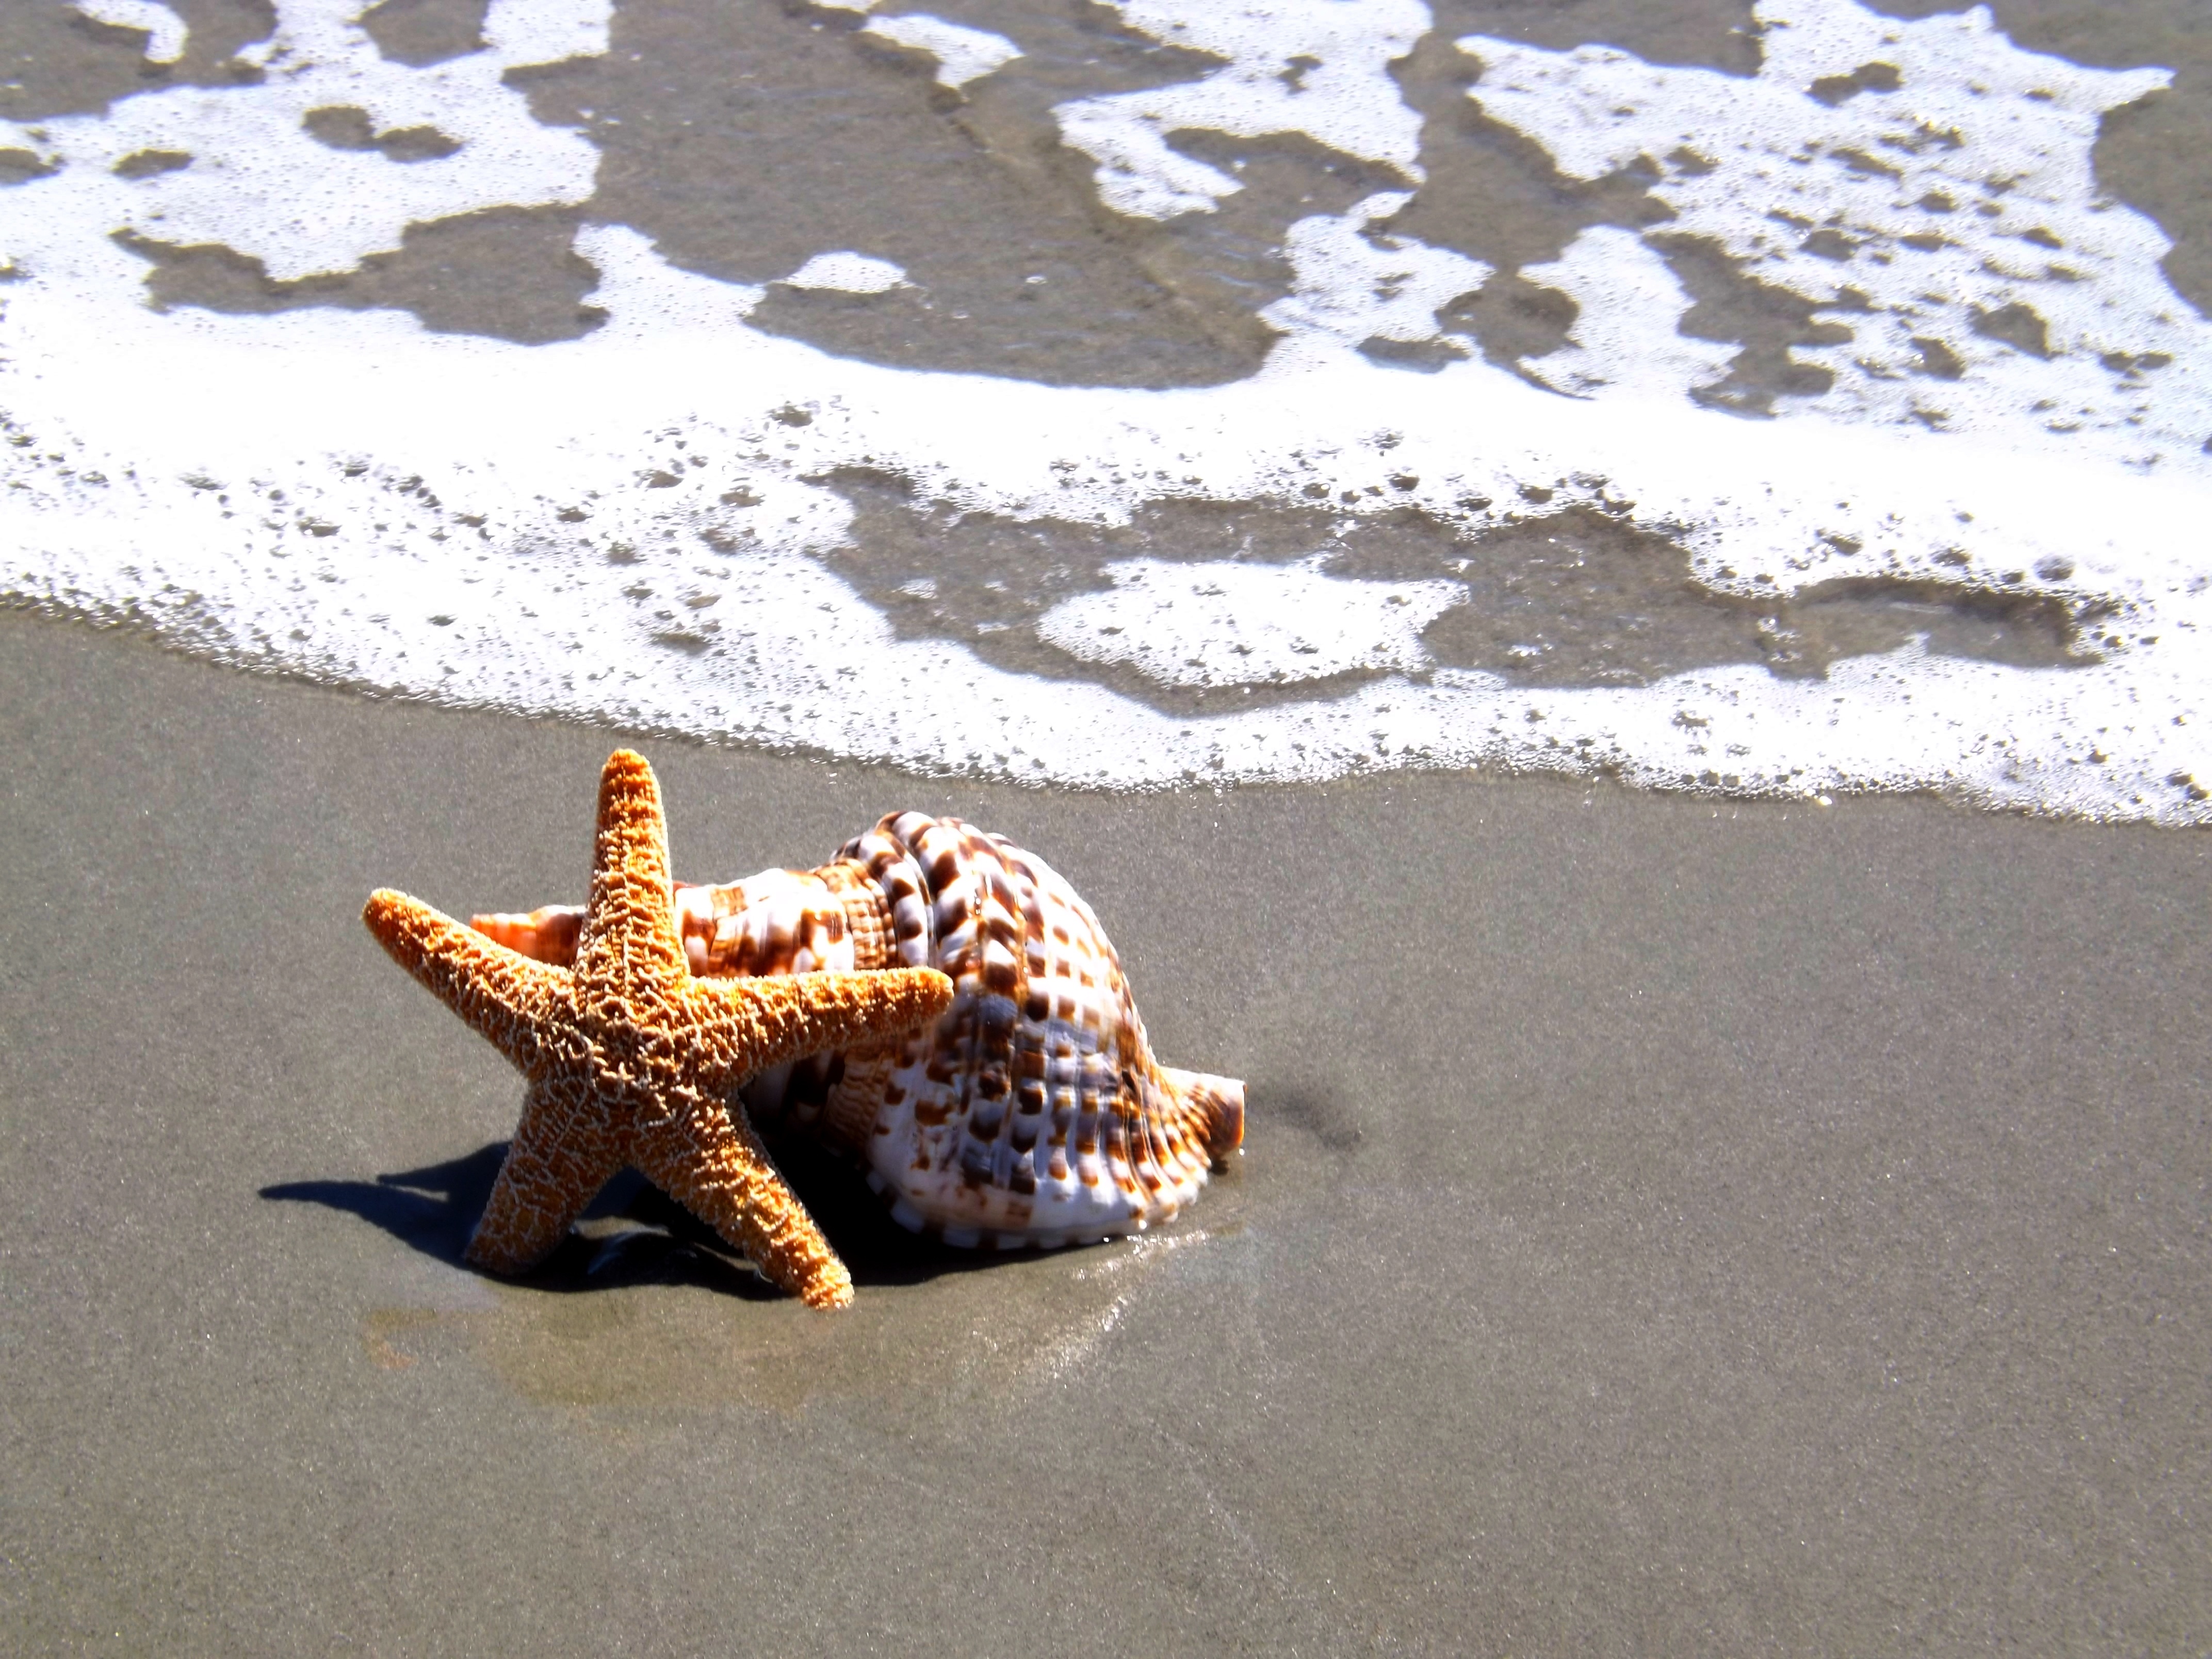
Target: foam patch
(638, 526)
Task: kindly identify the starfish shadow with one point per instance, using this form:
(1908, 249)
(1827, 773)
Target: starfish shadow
(636, 1234)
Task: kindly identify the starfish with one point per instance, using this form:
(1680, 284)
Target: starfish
(631, 1060)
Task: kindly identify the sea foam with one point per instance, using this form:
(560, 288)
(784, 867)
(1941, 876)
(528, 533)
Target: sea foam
(641, 525)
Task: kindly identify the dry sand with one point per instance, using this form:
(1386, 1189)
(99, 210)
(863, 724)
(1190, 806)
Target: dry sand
(1663, 1226)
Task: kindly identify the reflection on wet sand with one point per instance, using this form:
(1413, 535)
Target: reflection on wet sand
(643, 1307)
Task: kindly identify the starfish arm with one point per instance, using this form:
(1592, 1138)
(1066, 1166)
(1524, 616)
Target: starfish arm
(710, 1161)
(554, 1168)
(629, 920)
(742, 1026)
(503, 997)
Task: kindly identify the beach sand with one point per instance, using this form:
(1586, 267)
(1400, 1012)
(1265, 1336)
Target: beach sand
(1663, 1225)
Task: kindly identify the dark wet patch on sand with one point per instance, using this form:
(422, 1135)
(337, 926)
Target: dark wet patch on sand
(1581, 597)
(508, 273)
(643, 1309)
(1572, 598)
(788, 134)
(420, 32)
(56, 61)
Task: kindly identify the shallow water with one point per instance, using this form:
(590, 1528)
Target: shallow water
(1778, 399)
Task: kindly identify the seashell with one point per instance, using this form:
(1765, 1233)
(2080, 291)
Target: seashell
(1033, 1113)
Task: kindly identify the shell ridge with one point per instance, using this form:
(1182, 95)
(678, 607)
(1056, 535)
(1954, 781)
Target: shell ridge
(1034, 1111)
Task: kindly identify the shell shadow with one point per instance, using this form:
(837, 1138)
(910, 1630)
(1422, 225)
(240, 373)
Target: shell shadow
(1324, 1114)
(636, 1234)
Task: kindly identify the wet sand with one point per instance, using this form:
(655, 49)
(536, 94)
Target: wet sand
(1664, 1226)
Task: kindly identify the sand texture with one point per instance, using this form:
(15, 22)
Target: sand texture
(1663, 1227)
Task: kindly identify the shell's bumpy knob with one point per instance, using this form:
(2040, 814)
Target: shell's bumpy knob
(1033, 1112)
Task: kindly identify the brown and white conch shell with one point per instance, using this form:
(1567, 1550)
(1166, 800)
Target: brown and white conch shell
(1033, 1113)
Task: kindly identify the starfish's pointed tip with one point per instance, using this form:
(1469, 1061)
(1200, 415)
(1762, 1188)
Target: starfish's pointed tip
(385, 907)
(630, 793)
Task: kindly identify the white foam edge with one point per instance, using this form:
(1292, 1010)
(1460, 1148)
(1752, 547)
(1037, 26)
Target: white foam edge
(848, 272)
(1219, 623)
(2003, 136)
(962, 54)
(1337, 51)
(541, 625)
(166, 33)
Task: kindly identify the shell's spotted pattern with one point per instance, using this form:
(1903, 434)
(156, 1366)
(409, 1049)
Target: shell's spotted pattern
(1033, 1113)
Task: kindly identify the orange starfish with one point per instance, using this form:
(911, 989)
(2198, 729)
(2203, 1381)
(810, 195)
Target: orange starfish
(631, 1060)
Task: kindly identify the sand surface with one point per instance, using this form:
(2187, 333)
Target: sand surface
(1663, 1227)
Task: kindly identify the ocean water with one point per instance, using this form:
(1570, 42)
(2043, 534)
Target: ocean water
(1769, 399)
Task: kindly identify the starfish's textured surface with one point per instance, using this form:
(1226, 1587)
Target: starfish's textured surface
(631, 1060)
